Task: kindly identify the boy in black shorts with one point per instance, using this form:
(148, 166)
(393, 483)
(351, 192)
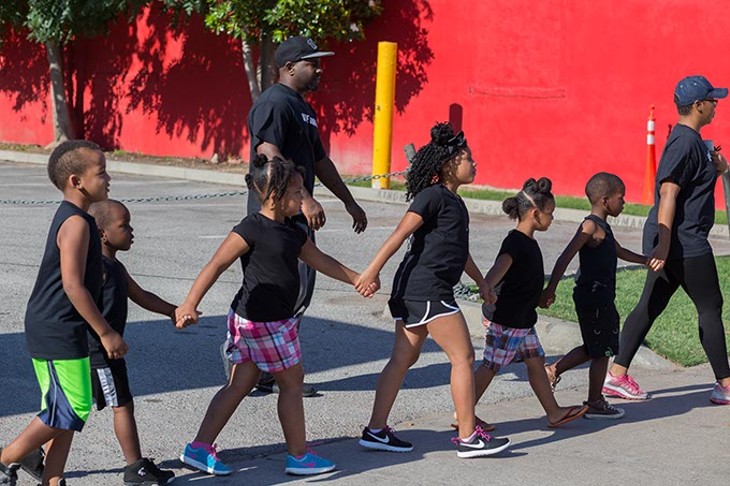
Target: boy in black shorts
(594, 292)
(63, 303)
(109, 380)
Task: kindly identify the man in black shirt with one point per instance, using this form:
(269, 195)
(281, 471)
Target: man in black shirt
(675, 240)
(282, 124)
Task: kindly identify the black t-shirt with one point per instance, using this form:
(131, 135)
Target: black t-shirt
(281, 117)
(114, 300)
(270, 275)
(53, 327)
(598, 264)
(519, 290)
(685, 161)
(438, 250)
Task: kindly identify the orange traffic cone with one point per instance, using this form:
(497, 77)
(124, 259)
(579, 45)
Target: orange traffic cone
(650, 169)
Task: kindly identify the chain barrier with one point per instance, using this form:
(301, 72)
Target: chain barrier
(189, 197)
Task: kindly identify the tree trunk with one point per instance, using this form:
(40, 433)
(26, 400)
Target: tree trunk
(267, 62)
(250, 67)
(62, 127)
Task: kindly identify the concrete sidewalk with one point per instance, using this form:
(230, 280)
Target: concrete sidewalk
(677, 437)
(480, 206)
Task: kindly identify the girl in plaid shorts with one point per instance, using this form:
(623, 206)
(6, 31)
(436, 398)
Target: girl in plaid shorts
(262, 326)
(518, 276)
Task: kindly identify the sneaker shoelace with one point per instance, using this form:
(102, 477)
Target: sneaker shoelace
(478, 432)
(635, 386)
(213, 451)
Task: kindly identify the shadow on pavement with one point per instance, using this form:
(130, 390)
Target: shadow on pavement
(163, 359)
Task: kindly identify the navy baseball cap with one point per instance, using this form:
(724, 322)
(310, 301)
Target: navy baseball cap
(296, 49)
(696, 88)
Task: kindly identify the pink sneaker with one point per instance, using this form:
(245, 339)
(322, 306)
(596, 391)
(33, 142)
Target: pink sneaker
(623, 386)
(720, 394)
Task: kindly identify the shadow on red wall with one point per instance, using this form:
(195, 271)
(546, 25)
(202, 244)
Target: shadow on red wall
(24, 76)
(349, 79)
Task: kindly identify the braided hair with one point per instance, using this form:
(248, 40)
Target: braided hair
(428, 164)
(271, 177)
(534, 194)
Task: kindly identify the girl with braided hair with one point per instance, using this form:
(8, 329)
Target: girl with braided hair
(422, 300)
(262, 323)
(518, 277)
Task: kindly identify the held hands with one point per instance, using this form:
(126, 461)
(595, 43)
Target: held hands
(359, 218)
(367, 283)
(547, 298)
(185, 315)
(313, 211)
(114, 345)
(487, 293)
(658, 258)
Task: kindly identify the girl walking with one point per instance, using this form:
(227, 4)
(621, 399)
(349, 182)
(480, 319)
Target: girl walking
(262, 326)
(519, 276)
(422, 300)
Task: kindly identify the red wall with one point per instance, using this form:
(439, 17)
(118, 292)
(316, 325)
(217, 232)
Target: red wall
(558, 87)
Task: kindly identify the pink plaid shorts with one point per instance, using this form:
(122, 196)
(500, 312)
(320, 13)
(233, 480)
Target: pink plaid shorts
(504, 345)
(271, 346)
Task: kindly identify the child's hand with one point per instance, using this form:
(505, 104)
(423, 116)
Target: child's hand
(186, 315)
(365, 280)
(371, 289)
(114, 345)
(487, 293)
(658, 257)
(547, 298)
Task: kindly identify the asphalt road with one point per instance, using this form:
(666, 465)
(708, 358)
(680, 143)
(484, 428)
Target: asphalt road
(174, 374)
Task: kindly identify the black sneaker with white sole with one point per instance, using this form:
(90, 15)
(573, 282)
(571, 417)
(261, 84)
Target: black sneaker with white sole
(480, 444)
(385, 440)
(146, 473)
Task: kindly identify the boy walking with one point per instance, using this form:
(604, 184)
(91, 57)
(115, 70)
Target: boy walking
(62, 304)
(109, 380)
(594, 292)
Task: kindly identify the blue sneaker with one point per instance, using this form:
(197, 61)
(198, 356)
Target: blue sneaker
(310, 463)
(204, 459)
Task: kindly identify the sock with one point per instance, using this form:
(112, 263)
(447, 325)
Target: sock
(199, 445)
(299, 457)
(470, 438)
(375, 431)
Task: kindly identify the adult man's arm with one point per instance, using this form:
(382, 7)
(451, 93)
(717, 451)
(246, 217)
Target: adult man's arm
(327, 173)
(311, 209)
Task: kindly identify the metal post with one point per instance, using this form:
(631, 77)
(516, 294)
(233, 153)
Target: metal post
(383, 122)
(726, 190)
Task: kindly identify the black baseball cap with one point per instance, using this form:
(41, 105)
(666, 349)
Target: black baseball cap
(296, 49)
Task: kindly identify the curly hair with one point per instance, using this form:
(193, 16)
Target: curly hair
(427, 166)
(534, 194)
(270, 178)
(67, 159)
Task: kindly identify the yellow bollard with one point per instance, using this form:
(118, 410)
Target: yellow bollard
(383, 123)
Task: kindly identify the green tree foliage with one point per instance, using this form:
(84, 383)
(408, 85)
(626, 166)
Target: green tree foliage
(55, 24)
(263, 23)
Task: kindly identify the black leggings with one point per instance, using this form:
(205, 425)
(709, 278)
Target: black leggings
(698, 277)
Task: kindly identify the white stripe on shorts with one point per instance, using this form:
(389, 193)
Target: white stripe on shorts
(423, 320)
(108, 387)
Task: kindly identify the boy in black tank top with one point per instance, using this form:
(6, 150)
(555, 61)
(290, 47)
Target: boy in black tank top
(63, 303)
(595, 290)
(109, 380)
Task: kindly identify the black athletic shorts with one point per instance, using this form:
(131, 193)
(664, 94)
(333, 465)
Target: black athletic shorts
(416, 313)
(598, 319)
(110, 385)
